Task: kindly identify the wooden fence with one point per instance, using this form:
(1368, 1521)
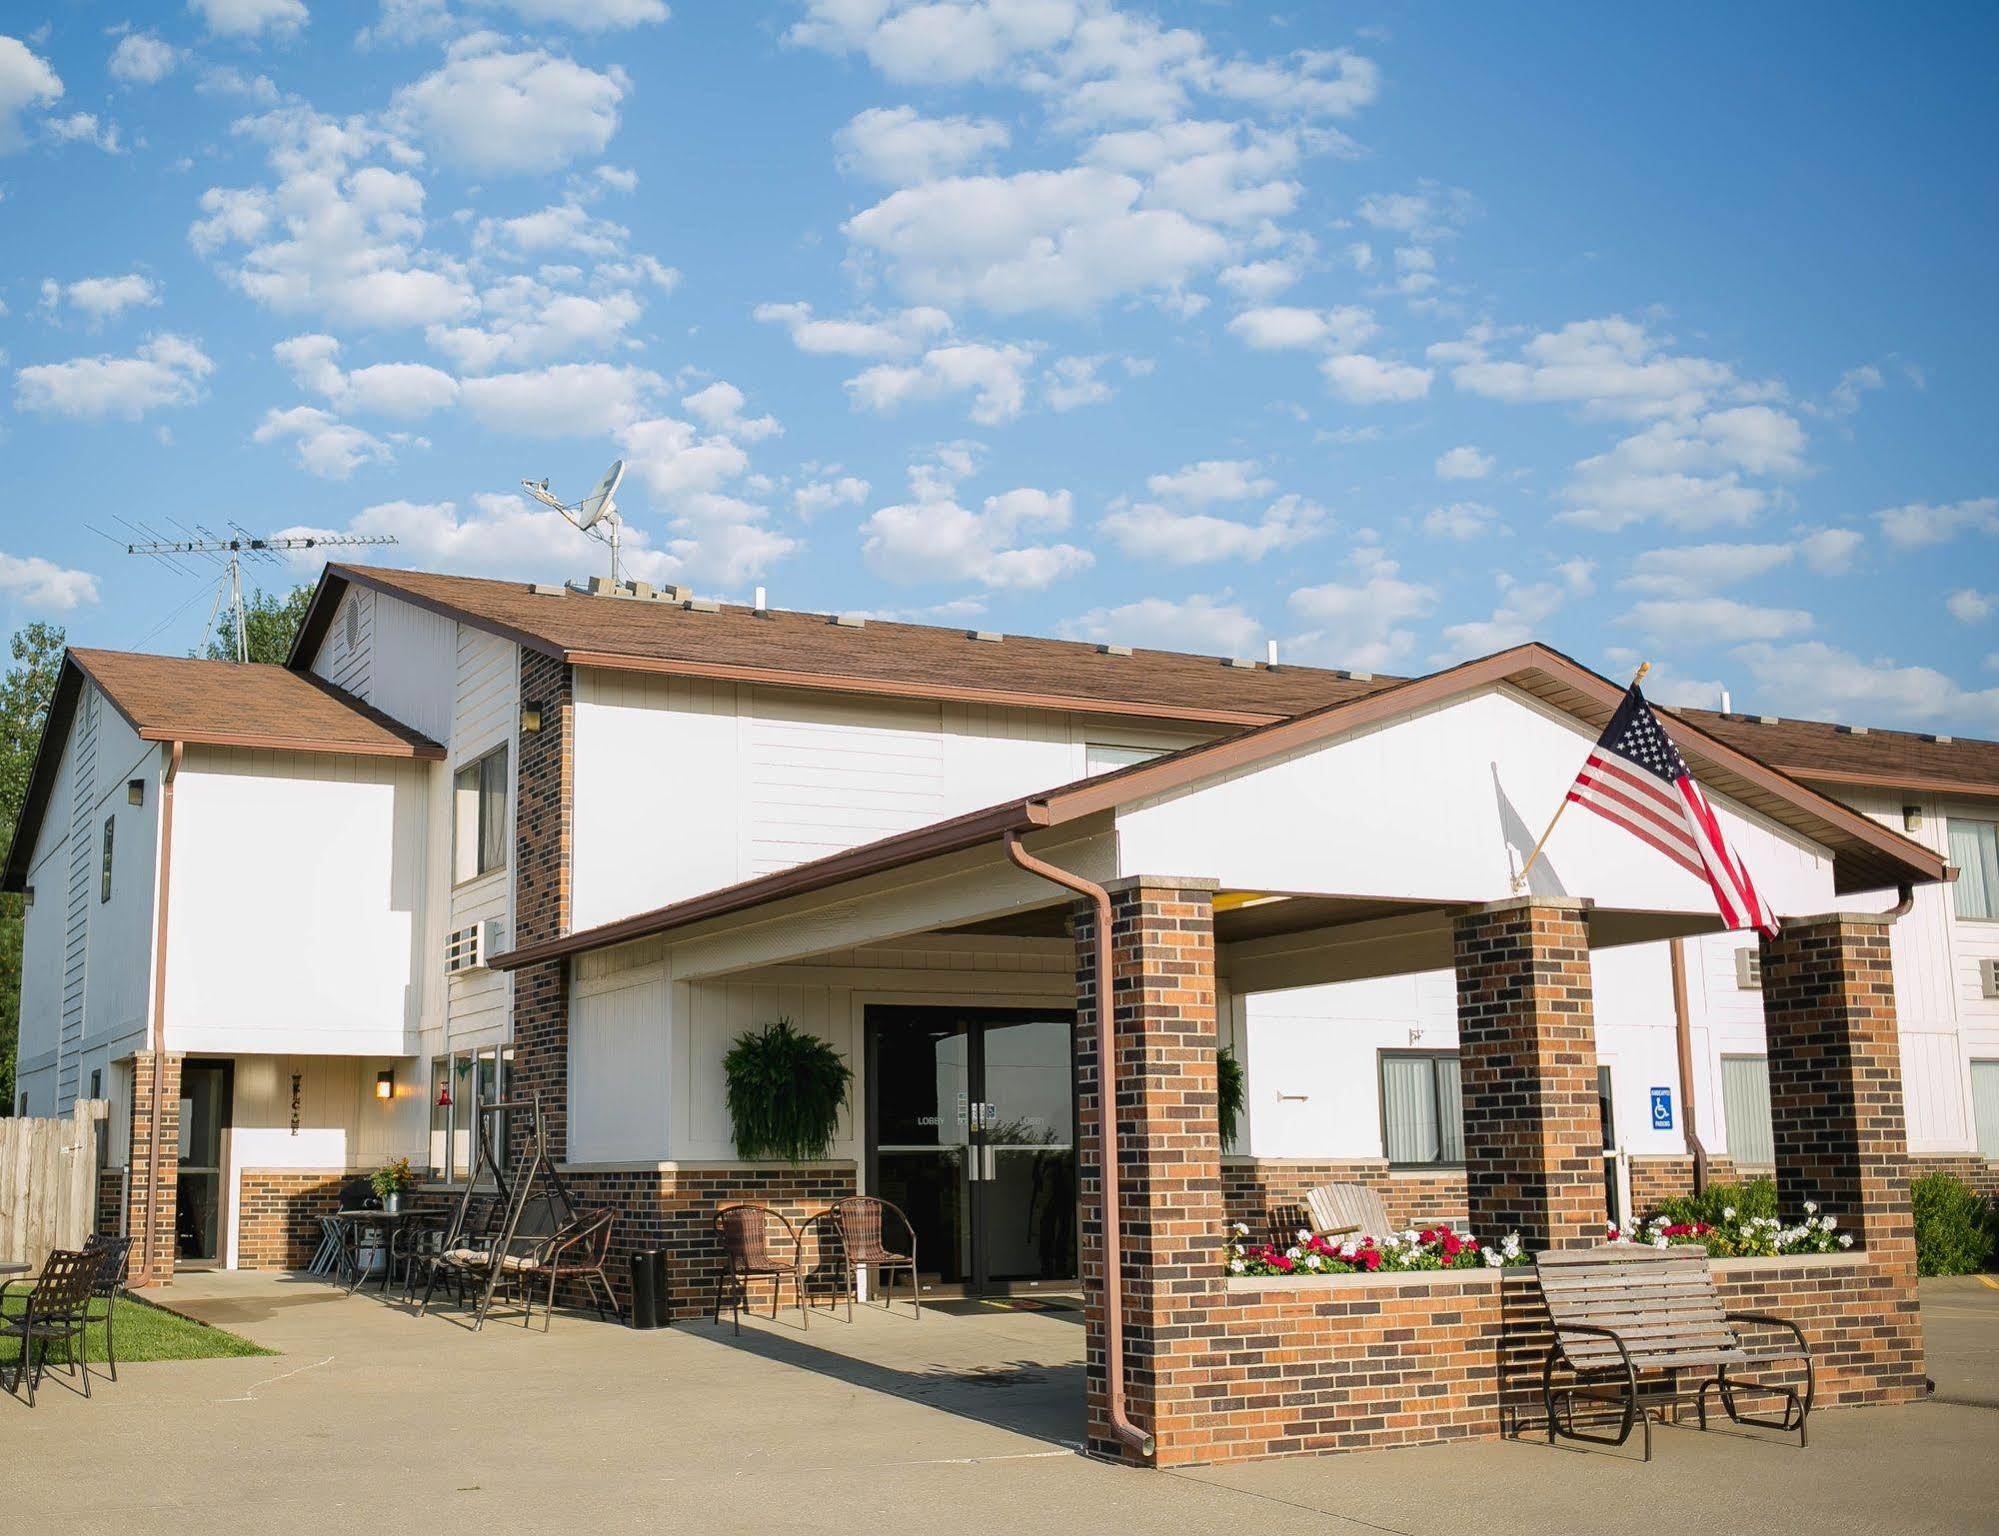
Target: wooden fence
(48, 1182)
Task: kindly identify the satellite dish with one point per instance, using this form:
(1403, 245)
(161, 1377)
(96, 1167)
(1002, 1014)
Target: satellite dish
(538, 489)
(598, 505)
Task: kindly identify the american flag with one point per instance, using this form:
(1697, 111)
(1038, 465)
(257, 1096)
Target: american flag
(1636, 778)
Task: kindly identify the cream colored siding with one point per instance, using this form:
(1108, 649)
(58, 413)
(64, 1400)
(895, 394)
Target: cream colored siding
(346, 655)
(486, 714)
(619, 1078)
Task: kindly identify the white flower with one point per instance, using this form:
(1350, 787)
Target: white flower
(1827, 1222)
(1313, 1261)
(1728, 1213)
(1846, 1239)
(1304, 1236)
(1293, 1253)
(1236, 1266)
(1811, 1207)
(1242, 1229)
(1493, 1259)
(1659, 1242)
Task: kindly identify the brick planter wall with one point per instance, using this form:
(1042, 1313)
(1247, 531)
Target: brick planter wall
(673, 1208)
(278, 1212)
(109, 1217)
(1252, 1185)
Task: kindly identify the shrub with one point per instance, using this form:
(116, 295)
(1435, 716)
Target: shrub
(1954, 1226)
(1722, 1203)
(1228, 1092)
(786, 1090)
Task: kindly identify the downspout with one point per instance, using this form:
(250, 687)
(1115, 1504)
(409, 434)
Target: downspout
(1100, 898)
(159, 1031)
(1683, 1034)
(1906, 901)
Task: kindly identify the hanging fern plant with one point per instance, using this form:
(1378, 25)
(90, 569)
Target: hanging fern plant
(1228, 1092)
(786, 1091)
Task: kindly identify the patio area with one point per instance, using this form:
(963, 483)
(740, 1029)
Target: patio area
(366, 1412)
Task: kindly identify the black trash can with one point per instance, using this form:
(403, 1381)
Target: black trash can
(645, 1298)
(662, 1301)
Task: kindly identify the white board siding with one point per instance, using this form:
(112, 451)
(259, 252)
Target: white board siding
(485, 714)
(619, 1071)
(350, 666)
(296, 904)
(414, 665)
(81, 883)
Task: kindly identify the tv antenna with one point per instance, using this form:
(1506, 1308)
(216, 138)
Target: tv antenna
(230, 553)
(596, 514)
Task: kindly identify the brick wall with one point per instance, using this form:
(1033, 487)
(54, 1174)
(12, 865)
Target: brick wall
(278, 1213)
(159, 1269)
(1980, 1173)
(1663, 1176)
(1252, 1185)
(1527, 1059)
(544, 814)
(109, 1218)
(674, 1209)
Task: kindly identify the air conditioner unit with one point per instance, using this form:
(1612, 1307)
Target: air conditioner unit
(1988, 978)
(1749, 969)
(492, 938)
(464, 949)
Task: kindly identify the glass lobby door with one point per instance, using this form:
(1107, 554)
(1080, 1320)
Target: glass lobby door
(972, 1133)
(204, 1118)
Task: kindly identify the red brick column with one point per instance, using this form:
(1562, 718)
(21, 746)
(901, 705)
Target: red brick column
(544, 819)
(159, 1269)
(1527, 1056)
(1836, 1078)
(1169, 1162)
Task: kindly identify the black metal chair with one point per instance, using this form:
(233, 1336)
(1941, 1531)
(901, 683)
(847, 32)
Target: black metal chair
(57, 1309)
(110, 1286)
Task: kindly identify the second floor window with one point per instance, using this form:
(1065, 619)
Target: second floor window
(1422, 1108)
(479, 816)
(104, 875)
(1974, 849)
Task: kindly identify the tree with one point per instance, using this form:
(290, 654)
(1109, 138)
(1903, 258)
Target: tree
(25, 693)
(269, 623)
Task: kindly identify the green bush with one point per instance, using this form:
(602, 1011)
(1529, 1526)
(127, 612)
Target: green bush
(1228, 1094)
(1955, 1226)
(786, 1090)
(1714, 1205)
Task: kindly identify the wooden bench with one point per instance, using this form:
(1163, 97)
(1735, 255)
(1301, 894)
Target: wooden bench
(1625, 1311)
(1332, 1210)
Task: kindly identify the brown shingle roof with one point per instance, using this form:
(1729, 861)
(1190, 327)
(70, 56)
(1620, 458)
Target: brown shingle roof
(218, 703)
(809, 650)
(1837, 754)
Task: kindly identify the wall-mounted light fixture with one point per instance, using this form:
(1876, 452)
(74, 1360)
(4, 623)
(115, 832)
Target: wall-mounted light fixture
(135, 791)
(27, 895)
(385, 1084)
(530, 717)
(1912, 818)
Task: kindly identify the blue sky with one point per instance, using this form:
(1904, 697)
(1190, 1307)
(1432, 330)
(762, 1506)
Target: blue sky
(1394, 335)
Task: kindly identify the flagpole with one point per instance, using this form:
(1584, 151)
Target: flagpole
(1520, 879)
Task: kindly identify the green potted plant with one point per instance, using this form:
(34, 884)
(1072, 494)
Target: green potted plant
(1228, 1093)
(786, 1089)
(390, 1180)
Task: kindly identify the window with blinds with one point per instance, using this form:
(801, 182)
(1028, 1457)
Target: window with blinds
(1745, 1109)
(1985, 1106)
(1422, 1108)
(1974, 849)
(479, 816)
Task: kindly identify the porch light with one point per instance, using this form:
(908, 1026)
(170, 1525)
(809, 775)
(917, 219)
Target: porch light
(1912, 818)
(530, 717)
(385, 1084)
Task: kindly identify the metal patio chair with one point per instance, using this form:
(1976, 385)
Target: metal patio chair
(57, 1310)
(577, 1250)
(745, 1235)
(859, 1219)
(109, 1287)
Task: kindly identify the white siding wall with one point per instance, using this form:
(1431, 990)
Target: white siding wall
(296, 903)
(350, 664)
(485, 714)
(684, 785)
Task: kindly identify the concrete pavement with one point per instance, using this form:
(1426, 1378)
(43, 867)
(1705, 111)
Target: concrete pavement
(371, 1415)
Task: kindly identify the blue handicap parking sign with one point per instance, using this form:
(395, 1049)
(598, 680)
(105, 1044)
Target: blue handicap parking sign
(1662, 1109)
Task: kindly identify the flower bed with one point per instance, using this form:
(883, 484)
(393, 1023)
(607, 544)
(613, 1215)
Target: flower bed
(1738, 1236)
(1310, 1254)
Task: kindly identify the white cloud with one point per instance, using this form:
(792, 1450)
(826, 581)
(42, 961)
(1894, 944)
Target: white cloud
(1679, 471)
(1362, 624)
(1151, 531)
(588, 15)
(1428, 213)
(1830, 551)
(531, 320)
(1365, 380)
(558, 227)
(581, 399)
(141, 58)
(496, 112)
(1612, 367)
(1200, 623)
(1522, 610)
(1060, 240)
(900, 146)
(25, 81)
(719, 407)
(251, 18)
(932, 537)
(1231, 174)
(1855, 382)
(1210, 481)
(326, 446)
(106, 298)
(1461, 520)
(1969, 606)
(1274, 327)
(1715, 621)
(1921, 523)
(402, 390)
(41, 583)
(1692, 569)
(85, 128)
(1463, 463)
(1820, 681)
(1073, 382)
(166, 370)
(1259, 281)
(892, 335)
(995, 377)
(817, 496)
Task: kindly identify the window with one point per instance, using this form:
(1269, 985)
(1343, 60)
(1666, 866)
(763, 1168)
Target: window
(1749, 969)
(459, 1084)
(1745, 1110)
(1422, 1109)
(479, 816)
(1974, 849)
(1098, 757)
(1606, 1109)
(104, 875)
(353, 618)
(1985, 1106)
(102, 1127)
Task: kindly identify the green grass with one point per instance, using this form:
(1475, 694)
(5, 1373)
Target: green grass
(145, 1332)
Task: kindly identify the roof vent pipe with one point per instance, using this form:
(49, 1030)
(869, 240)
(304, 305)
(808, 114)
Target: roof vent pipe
(1725, 702)
(761, 605)
(1270, 653)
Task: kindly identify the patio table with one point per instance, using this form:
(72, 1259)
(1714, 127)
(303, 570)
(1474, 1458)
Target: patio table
(353, 1224)
(14, 1267)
